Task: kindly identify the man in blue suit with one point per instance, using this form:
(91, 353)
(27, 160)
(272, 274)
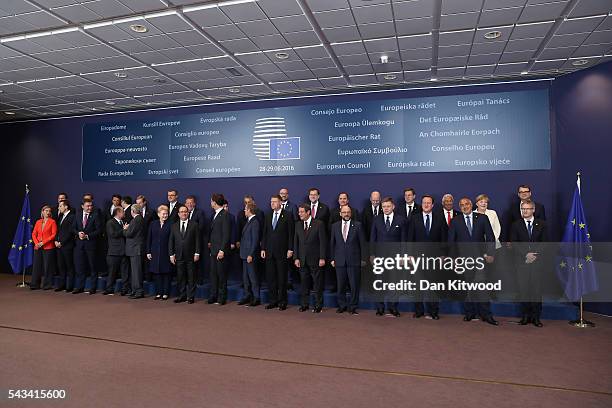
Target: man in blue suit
(249, 245)
(88, 227)
(427, 233)
(348, 254)
(386, 236)
(473, 237)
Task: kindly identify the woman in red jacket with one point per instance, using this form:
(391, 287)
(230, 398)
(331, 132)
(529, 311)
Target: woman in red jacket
(43, 237)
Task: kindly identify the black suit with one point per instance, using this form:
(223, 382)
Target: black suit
(184, 245)
(348, 257)
(85, 250)
(514, 213)
(134, 250)
(322, 214)
(116, 260)
(480, 242)
(291, 209)
(387, 243)
(367, 218)
(65, 254)
(401, 210)
(309, 246)
(529, 275)
(173, 215)
(276, 242)
(431, 243)
(219, 239)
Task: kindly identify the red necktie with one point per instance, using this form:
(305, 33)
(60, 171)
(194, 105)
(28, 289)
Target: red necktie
(314, 211)
(84, 220)
(448, 217)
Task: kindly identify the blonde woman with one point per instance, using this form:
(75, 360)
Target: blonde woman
(482, 207)
(43, 237)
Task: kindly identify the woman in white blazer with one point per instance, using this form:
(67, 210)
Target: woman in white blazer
(482, 206)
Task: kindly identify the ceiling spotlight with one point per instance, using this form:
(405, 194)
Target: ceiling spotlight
(390, 77)
(384, 59)
(1, 91)
(121, 74)
(109, 102)
(433, 79)
(580, 62)
(160, 80)
(524, 72)
(9, 113)
(138, 28)
(281, 55)
(93, 109)
(234, 90)
(492, 35)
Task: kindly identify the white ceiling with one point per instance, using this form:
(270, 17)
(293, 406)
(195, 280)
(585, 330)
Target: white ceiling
(64, 57)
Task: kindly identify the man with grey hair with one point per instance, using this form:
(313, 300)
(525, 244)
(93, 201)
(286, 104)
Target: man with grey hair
(370, 212)
(134, 249)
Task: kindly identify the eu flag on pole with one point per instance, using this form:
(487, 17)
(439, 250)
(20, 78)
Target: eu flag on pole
(575, 267)
(22, 248)
(285, 148)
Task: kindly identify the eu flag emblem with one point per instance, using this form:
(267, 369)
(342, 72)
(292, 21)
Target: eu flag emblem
(285, 148)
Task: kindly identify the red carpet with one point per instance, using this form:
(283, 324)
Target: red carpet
(111, 351)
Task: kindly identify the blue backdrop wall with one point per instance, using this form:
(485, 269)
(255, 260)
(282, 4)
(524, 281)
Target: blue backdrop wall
(47, 155)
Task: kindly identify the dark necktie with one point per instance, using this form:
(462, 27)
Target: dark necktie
(375, 211)
(529, 228)
(274, 220)
(427, 224)
(388, 223)
(85, 219)
(305, 225)
(468, 223)
(183, 228)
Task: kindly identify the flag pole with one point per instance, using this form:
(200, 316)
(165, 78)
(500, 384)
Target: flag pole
(23, 283)
(581, 322)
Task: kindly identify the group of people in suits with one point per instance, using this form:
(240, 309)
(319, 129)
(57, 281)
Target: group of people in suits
(311, 239)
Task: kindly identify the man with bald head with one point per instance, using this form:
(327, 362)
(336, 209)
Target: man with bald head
(370, 212)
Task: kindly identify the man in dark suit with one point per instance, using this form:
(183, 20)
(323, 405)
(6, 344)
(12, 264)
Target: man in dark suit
(56, 214)
(276, 251)
(527, 236)
(148, 215)
(219, 243)
(126, 203)
(249, 247)
(387, 234)
(409, 206)
(447, 211)
(348, 253)
(241, 218)
(115, 202)
(514, 212)
(287, 205)
(134, 249)
(173, 205)
(197, 215)
(116, 260)
(88, 227)
(184, 250)
(370, 212)
(318, 210)
(310, 248)
(427, 234)
(64, 242)
(473, 237)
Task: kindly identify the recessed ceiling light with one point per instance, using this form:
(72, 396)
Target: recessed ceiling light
(121, 74)
(138, 28)
(93, 109)
(1, 91)
(580, 62)
(390, 77)
(524, 72)
(9, 113)
(384, 59)
(160, 80)
(109, 102)
(281, 55)
(433, 79)
(234, 90)
(492, 35)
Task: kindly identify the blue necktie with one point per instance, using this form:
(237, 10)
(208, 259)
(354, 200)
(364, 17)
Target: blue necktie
(529, 228)
(274, 220)
(388, 224)
(427, 224)
(468, 222)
